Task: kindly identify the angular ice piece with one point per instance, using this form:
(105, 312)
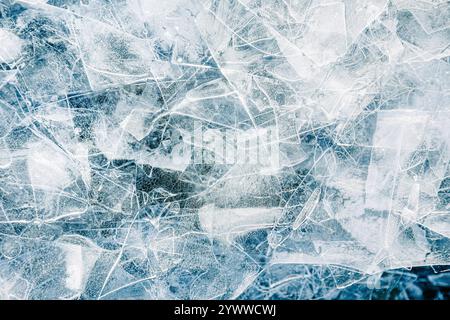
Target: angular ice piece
(135, 123)
(439, 222)
(398, 133)
(341, 253)
(441, 280)
(228, 223)
(153, 8)
(360, 15)
(307, 209)
(80, 257)
(5, 155)
(411, 210)
(326, 37)
(434, 17)
(112, 57)
(115, 143)
(421, 45)
(48, 167)
(7, 76)
(11, 46)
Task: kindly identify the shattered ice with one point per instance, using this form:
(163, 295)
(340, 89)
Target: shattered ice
(114, 116)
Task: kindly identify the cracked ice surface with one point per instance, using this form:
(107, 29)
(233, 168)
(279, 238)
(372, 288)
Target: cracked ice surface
(100, 200)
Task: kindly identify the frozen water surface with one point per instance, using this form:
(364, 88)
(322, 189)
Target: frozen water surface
(334, 117)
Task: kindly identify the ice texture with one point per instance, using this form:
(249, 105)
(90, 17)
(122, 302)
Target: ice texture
(107, 191)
